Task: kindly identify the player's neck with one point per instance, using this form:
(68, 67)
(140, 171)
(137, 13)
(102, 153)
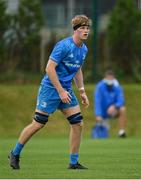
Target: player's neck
(77, 41)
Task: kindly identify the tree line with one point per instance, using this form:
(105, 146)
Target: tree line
(118, 47)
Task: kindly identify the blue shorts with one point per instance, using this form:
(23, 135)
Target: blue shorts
(49, 101)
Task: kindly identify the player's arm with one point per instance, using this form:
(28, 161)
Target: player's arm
(51, 71)
(120, 97)
(78, 79)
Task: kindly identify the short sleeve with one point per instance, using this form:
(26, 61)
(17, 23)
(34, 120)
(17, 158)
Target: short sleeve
(58, 53)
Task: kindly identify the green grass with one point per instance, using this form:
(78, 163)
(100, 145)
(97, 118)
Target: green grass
(17, 104)
(48, 158)
(46, 155)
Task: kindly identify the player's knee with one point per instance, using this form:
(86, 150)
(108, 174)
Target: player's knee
(77, 127)
(36, 125)
(123, 109)
(76, 119)
(80, 125)
(41, 118)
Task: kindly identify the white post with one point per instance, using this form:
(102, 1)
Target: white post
(139, 4)
(71, 12)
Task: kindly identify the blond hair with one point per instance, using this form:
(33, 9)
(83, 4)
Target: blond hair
(81, 20)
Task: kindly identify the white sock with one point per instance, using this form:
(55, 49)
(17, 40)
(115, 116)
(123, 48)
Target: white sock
(121, 131)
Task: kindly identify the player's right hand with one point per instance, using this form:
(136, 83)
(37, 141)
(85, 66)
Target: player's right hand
(65, 96)
(85, 100)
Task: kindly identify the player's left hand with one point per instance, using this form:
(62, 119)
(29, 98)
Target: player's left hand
(85, 100)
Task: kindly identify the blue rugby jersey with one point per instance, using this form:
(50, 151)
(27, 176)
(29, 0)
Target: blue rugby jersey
(69, 58)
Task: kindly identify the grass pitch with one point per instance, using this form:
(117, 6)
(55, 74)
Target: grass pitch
(48, 158)
(47, 154)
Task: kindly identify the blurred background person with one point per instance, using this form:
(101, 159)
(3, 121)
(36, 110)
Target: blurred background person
(109, 103)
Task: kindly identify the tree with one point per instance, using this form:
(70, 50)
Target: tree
(124, 38)
(30, 19)
(3, 21)
(22, 37)
(3, 26)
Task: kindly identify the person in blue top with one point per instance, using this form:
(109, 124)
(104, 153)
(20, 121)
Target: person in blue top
(109, 102)
(55, 92)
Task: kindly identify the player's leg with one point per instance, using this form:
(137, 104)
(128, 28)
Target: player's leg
(45, 105)
(112, 111)
(122, 121)
(38, 122)
(75, 119)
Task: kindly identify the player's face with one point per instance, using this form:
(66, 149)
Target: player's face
(110, 77)
(109, 80)
(83, 32)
